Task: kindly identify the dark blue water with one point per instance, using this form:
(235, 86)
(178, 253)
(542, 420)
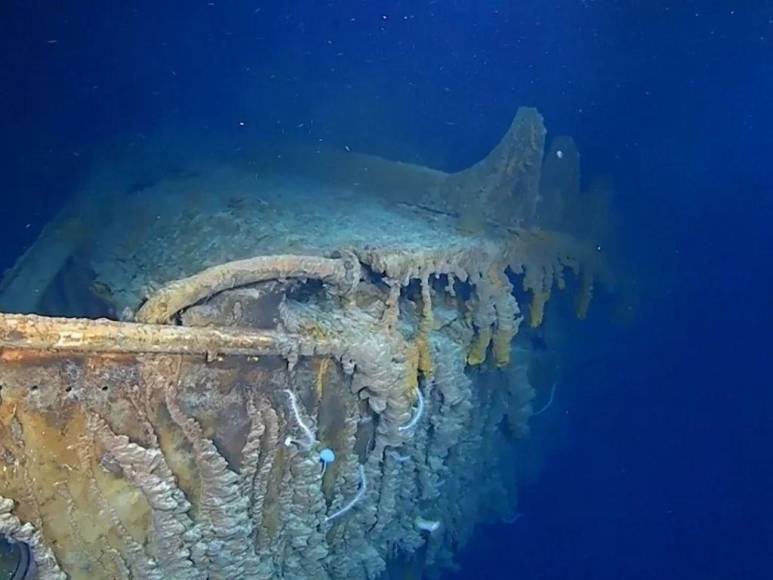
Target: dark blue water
(664, 468)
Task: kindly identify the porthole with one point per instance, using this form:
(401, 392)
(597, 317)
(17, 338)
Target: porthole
(16, 561)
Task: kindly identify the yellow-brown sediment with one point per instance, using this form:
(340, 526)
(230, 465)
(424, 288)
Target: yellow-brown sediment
(319, 383)
(412, 358)
(586, 293)
(479, 348)
(425, 328)
(537, 310)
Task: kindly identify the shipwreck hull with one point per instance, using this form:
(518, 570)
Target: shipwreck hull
(302, 384)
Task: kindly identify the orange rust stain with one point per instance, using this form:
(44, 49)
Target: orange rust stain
(27, 356)
(54, 481)
(36, 356)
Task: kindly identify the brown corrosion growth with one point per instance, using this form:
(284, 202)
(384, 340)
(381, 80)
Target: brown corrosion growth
(180, 294)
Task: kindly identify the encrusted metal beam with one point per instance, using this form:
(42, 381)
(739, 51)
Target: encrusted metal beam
(81, 335)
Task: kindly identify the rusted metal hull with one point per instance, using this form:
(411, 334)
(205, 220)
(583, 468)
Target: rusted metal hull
(301, 387)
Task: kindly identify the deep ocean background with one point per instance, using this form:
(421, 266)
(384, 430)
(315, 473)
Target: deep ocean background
(664, 466)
